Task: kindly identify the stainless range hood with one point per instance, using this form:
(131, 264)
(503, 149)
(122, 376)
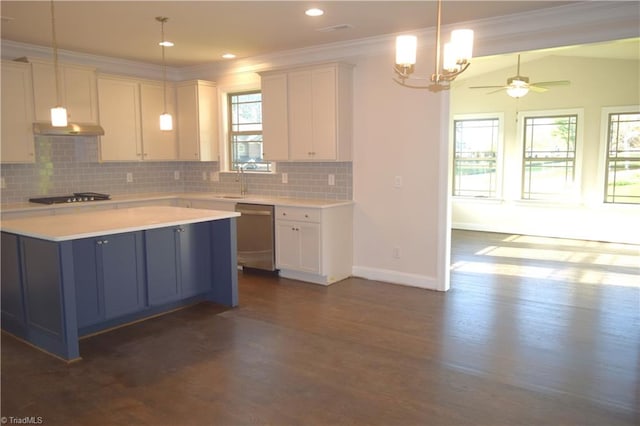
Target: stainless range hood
(73, 129)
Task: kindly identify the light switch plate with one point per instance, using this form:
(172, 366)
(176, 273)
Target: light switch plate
(176, 175)
(332, 180)
(285, 178)
(129, 177)
(397, 182)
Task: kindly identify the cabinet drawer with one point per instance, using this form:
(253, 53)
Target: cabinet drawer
(302, 214)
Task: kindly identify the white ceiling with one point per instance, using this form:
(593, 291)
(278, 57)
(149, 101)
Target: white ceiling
(204, 30)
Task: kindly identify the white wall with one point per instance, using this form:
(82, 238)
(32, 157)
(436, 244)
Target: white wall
(595, 84)
(397, 134)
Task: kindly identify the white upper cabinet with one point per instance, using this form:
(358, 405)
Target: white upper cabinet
(158, 145)
(130, 116)
(78, 91)
(120, 119)
(197, 103)
(312, 112)
(17, 114)
(275, 133)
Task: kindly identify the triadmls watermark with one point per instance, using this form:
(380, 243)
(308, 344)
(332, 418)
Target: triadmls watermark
(25, 420)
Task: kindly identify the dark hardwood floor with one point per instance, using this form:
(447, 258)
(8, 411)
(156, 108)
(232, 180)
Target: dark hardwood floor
(534, 331)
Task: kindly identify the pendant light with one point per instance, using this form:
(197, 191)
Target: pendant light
(455, 58)
(166, 121)
(58, 112)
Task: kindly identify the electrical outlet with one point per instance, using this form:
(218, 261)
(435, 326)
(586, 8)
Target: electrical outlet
(176, 175)
(204, 175)
(285, 178)
(214, 176)
(396, 252)
(129, 177)
(397, 182)
(332, 180)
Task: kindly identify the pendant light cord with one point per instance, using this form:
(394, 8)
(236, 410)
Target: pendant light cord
(164, 69)
(55, 53)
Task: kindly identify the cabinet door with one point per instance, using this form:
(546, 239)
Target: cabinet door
(17, 114)
(80, 94)
(195, 259)
(120, 118)
(162, 265)
(287, 245)
(197, 121)
(122, 269)
(89, 300)
(77, 91)
(300, 115)
(323, 93)
(157, 145)
(275, 133)
(309, 240)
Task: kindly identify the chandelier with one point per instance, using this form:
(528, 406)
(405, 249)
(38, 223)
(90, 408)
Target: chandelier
(456, 58)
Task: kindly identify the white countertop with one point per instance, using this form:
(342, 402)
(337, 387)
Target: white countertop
(207, 196)
(63, 227)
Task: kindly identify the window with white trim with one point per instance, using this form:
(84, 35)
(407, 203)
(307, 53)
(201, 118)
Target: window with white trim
(549, 156)
(245, 132)
(475, 153)
(622, 177)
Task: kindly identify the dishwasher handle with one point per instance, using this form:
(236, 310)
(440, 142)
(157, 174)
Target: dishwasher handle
(255, 212)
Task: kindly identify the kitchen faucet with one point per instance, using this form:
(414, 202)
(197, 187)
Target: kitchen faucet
(242, 179)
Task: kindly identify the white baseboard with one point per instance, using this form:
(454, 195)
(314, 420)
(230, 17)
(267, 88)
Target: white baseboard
(395, 277)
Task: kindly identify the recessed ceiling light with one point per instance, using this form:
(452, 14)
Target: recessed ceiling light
(314, 12)
(166, 43)
(228, 56)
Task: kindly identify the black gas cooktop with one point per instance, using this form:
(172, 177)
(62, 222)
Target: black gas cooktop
(76, 197)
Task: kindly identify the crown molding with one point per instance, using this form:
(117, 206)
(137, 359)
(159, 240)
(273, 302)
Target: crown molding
(576, 23)
(13, 49)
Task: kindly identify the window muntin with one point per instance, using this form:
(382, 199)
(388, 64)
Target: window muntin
(622, 178)
(549, 157)
(475, 150)
(245, 132)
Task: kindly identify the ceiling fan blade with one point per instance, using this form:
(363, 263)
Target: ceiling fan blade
(486, 87)
(496, 91)
(537, 89)
(552, 83)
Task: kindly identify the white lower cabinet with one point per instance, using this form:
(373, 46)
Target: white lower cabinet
(314, 244)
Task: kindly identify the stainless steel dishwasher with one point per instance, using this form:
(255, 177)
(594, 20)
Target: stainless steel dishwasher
(255, 236)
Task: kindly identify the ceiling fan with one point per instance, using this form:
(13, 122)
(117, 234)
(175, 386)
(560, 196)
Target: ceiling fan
(519, 85)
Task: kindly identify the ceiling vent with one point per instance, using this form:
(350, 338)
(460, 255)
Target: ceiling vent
(335, 28)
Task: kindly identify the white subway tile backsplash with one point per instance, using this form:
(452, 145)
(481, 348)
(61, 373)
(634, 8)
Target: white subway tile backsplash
(71, 164)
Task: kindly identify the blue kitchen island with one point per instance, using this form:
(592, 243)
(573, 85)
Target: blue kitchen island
(71, 275)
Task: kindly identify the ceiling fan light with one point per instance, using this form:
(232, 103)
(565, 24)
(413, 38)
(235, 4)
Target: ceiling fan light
(517, 89)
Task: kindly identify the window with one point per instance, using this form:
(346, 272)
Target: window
(475, 151)
(245, 132)
(622, 179)
(549, 156)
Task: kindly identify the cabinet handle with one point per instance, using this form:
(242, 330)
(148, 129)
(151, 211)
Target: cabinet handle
(306, 215)
(284, 214)
(106, 241)
(99, 242)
